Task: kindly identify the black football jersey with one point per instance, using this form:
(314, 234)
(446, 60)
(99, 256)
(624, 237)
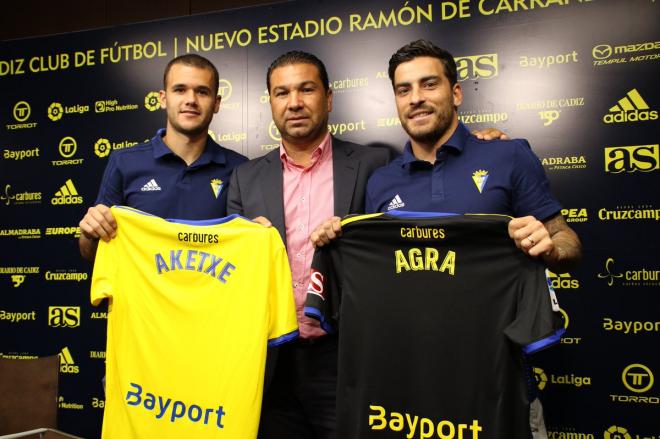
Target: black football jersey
(435, 317)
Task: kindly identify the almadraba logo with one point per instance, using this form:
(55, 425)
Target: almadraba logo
(631, 108)
(68, 194)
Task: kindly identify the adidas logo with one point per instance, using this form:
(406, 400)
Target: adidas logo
(631, 108)
(67, 195)
(67, 365)
(151, 185)
(395, 203)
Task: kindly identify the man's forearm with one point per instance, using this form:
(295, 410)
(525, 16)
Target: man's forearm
(567, 251)
(88, 247)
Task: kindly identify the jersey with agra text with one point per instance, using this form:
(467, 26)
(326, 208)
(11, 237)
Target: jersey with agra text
(192, 308)
(435, 315)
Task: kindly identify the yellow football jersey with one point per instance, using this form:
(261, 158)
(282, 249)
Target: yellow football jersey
(192, 307)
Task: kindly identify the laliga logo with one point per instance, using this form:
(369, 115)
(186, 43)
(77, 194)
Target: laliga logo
(615, 432)
(102, 148)
(152, 101)
(273, 132)
(608, 273)
(55, 111)
(224, 89)
(549, 116)
(22, 111)
(541, 378)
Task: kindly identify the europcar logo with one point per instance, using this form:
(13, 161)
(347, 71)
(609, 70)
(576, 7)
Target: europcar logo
(631, 108)
(642, 158)
(152, 101)
(67, 365)
(68, 194)
(64, 316)
(477, 66)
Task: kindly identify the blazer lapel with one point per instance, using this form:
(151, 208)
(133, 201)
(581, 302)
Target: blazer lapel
(345, 170)
(272, 190)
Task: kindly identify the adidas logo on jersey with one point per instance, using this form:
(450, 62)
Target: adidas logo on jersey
(151, 185)
(395, 203)
(68, 194)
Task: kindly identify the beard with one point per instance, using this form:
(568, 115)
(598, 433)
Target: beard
(430, 134)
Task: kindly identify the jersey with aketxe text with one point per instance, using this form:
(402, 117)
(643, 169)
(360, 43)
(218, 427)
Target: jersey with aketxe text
(192, 308)
(435, 316)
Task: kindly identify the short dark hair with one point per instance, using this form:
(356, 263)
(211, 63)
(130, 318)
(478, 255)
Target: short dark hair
(423, 48)
(193, 60)
(299, 57)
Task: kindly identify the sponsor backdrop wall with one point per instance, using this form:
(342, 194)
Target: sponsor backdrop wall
(577, 78)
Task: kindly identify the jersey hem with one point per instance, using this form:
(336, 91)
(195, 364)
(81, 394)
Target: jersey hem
(283, 338)
(552, 339)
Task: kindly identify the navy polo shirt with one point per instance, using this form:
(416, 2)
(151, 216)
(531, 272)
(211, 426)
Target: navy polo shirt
(150, 177)
(468, 176)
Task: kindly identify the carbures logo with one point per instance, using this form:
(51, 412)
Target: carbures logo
(64, 316)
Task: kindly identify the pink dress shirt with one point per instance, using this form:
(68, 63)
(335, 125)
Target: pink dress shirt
(308, 201)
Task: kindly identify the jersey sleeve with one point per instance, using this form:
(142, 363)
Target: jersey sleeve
(283, 324)
(538, 323)
(105, 270)
(531, 188)
(323, 293)
(110, 190)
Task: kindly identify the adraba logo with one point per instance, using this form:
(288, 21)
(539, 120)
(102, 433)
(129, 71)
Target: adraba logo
(64, 316)
(67, 365)
(68, 194)
(642, 158)
(630, 108)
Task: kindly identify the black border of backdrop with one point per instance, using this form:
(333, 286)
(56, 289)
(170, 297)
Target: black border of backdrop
(576, 78)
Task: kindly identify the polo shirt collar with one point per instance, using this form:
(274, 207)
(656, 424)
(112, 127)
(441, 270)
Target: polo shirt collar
(456, 143)
(212, 151)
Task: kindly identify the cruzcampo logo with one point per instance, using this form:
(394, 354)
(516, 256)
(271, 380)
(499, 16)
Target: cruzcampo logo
(480, 177)
(216, 185)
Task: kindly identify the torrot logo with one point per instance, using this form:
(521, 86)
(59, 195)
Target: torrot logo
(225, 89)
(67, 365)
(273, 132)
(630, 108)
(22, 111)
(637, 378)
(152, 101)
(64, 316)
(615, 432)
(68, 147)
(476, 66)
(642, 158)
(67, 195)
(55, 111)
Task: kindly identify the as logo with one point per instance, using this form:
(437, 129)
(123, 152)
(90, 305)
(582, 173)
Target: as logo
(575, 215)
(642, 158)
(615, 432)
(64, 316)
(562, 281)
(637, 378)
(631, 108)
(476, 66)
(67, 365)
(152, 101)
(67, 195)
(22, 111)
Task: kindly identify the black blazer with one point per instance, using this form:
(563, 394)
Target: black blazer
(255, 187)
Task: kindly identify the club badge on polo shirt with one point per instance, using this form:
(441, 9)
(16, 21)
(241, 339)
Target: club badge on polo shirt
(216, 185)
(480, 177)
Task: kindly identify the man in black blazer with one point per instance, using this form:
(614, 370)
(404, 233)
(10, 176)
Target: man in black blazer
(310, 178)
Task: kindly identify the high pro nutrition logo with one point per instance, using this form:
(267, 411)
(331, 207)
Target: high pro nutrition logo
(68, 194)
(630, 108)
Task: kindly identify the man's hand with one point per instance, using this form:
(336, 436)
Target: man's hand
(490, 134)
(98, 223)
(263, 221)
(329, 230)
(552, 240)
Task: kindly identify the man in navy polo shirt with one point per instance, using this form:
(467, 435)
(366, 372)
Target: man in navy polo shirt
(181, 172)
(446, 169)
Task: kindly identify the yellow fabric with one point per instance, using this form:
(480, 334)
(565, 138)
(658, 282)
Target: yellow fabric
(194, 334)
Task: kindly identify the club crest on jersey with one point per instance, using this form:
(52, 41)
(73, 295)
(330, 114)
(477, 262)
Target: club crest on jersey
(480, 177)
(216, 185)
(316, 284)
